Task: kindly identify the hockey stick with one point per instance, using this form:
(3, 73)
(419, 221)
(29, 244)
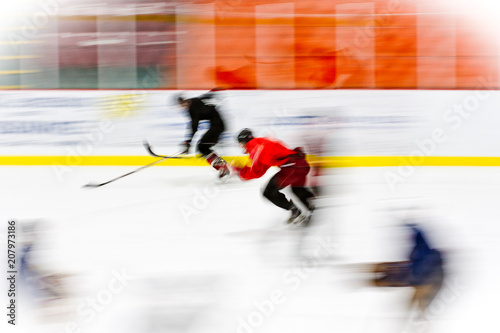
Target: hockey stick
(152, 153)
(136, 170)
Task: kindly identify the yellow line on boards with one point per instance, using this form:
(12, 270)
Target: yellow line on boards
(326, 162)
(96, 161)
(395, 161)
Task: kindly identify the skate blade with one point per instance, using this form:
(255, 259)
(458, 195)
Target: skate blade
(224, 179)
(300, 222)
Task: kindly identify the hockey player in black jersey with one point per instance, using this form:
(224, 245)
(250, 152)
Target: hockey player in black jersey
(199, 110)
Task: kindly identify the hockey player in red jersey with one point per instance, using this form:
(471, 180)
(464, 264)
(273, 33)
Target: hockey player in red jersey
(266, 153)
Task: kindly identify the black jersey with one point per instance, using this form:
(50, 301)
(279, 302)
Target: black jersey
(199, 110)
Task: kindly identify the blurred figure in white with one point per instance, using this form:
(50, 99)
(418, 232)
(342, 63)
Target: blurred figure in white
(45, 289)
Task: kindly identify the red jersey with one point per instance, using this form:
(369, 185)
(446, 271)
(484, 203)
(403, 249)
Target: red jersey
(264, 154)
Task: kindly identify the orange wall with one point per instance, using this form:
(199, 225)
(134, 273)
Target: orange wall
(332, 44)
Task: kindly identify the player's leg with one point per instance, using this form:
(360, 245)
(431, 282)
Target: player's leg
(427, 293)
(205, 145)
(273, 193)
(305, 196)
(207, 141)
(391, 274)
(298, 183)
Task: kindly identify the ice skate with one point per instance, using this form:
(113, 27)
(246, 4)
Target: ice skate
(224, 173)
(296, 217)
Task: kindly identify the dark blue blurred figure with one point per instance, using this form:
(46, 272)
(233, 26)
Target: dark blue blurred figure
(41, 286)
(423, 271)
(426, 263)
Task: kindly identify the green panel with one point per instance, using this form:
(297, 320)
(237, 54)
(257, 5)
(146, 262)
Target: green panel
(78, 78)
(148, 78)
(87, 78)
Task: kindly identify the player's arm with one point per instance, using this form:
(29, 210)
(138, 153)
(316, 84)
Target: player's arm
(261, 158)
(207, 96)
(256, 170)
(211, 95)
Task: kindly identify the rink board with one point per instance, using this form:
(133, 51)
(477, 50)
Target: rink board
(345, 127)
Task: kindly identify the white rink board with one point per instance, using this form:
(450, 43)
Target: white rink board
(348, 122)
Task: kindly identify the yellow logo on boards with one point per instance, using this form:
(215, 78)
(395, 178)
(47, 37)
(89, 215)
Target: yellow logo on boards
(121, 106)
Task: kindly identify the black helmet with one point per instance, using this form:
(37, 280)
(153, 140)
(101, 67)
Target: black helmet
(245, 136)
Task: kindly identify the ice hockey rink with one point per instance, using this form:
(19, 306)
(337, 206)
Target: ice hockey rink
(170, 249)
(399, 99)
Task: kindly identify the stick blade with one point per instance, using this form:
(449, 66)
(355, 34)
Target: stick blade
(92, 185)
(148, 148)
(152, 153)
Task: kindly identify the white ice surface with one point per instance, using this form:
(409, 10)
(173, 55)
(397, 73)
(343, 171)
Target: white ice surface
(200, 256)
